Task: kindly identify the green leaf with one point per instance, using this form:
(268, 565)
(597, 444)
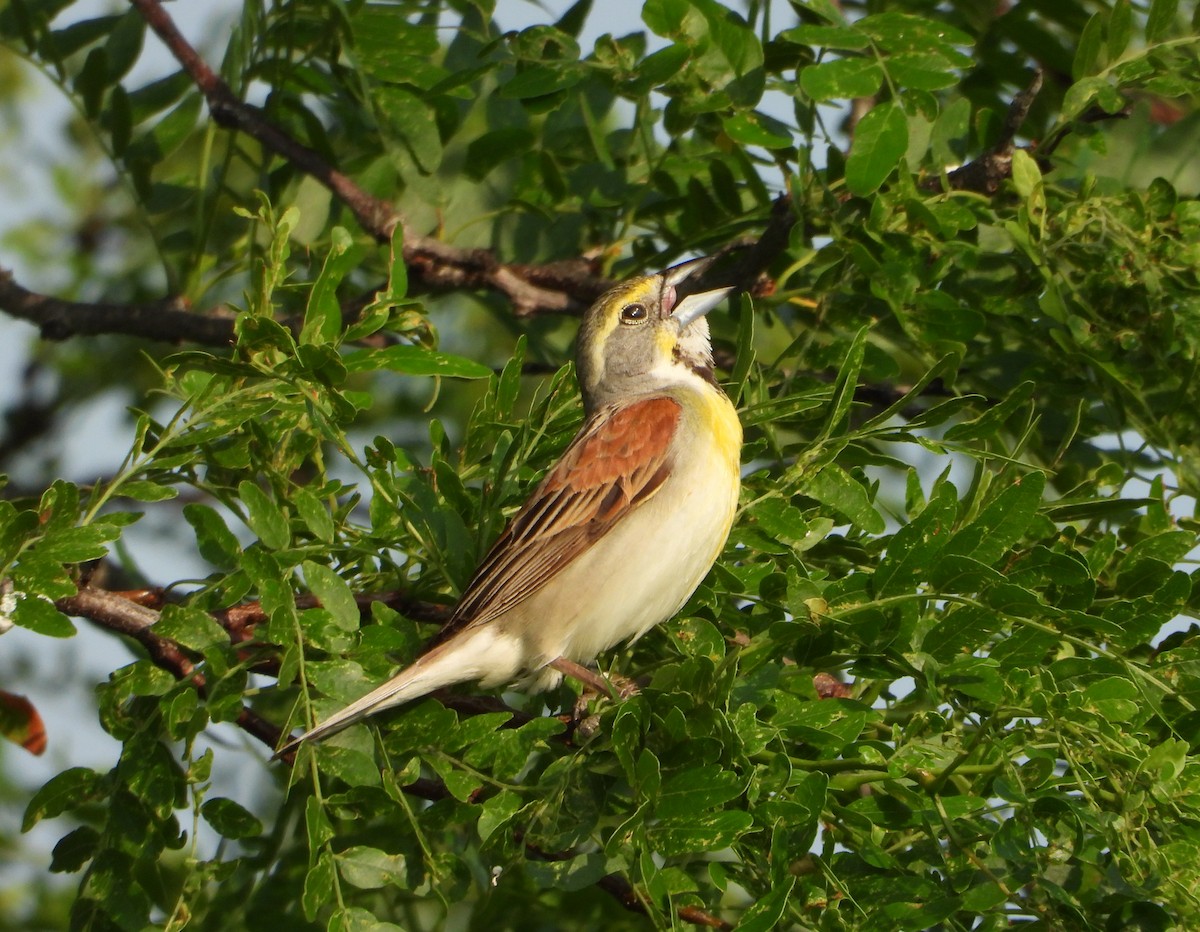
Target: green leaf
(264, 517)
(768, 910)
(409, 119)
(142, 490)
(493, 149)
(1162, 21)
(1002, 523)
(334, 593)
(1114, 698)
(927, 71)
(1120, 28)
(497, 812)
(323, 315)
(829, 37)
(318, 886)
(190, 627)
(842, 79)
(416, 360)
(216, 543)
(75, 544)
(695, 790)
(751, 128)
(846, 384)
(1025, 173)
(74, 850)
(915, 548)
(39, 615)
(540, 80)
(901, 32)
(993, 419)
(835, 487)
(880, 139)
(1089, 47)
(314, 514)
(369, 868)
(68, 790)
(316, 823)
(124, 45)
(698, 832)
(230, 819)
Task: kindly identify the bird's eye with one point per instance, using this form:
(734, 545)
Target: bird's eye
(633, 313)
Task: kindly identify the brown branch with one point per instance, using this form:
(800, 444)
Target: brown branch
(564, 287)
(167, 320)
(986, 173)
(111, 611)
(433, 265)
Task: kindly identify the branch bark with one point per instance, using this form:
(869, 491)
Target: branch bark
(433, 265)
(167, 320)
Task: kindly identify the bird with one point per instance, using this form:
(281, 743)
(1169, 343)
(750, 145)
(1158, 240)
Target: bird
(622, 529)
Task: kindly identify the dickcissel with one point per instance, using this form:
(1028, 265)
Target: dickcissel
(622, 530)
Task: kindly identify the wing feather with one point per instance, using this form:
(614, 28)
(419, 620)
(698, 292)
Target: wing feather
(617, 461)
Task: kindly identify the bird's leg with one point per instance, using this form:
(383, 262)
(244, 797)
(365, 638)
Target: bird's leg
(618, 687)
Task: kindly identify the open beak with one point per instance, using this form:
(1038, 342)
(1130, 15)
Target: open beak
(695, 305)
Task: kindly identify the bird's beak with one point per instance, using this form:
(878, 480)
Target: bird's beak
(691, 306)
(697, 305)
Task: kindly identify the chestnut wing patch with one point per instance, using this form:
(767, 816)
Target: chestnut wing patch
(617, 461)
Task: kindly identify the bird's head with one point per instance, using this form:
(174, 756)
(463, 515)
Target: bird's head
(646, 334)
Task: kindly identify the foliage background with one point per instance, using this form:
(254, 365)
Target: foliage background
(945, 675)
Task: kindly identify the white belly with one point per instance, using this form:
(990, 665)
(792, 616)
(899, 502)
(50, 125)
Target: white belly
(640, 573)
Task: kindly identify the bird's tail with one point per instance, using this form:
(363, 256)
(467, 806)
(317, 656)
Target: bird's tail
(456, 661)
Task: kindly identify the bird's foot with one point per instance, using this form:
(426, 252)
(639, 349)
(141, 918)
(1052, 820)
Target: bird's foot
(614, 685)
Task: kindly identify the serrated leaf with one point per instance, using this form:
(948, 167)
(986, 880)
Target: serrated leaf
(76, 544)
(880, 140)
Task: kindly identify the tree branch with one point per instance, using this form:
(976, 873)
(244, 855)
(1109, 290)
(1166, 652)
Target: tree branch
(166, 320)
(433, 265)
(986, 173)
